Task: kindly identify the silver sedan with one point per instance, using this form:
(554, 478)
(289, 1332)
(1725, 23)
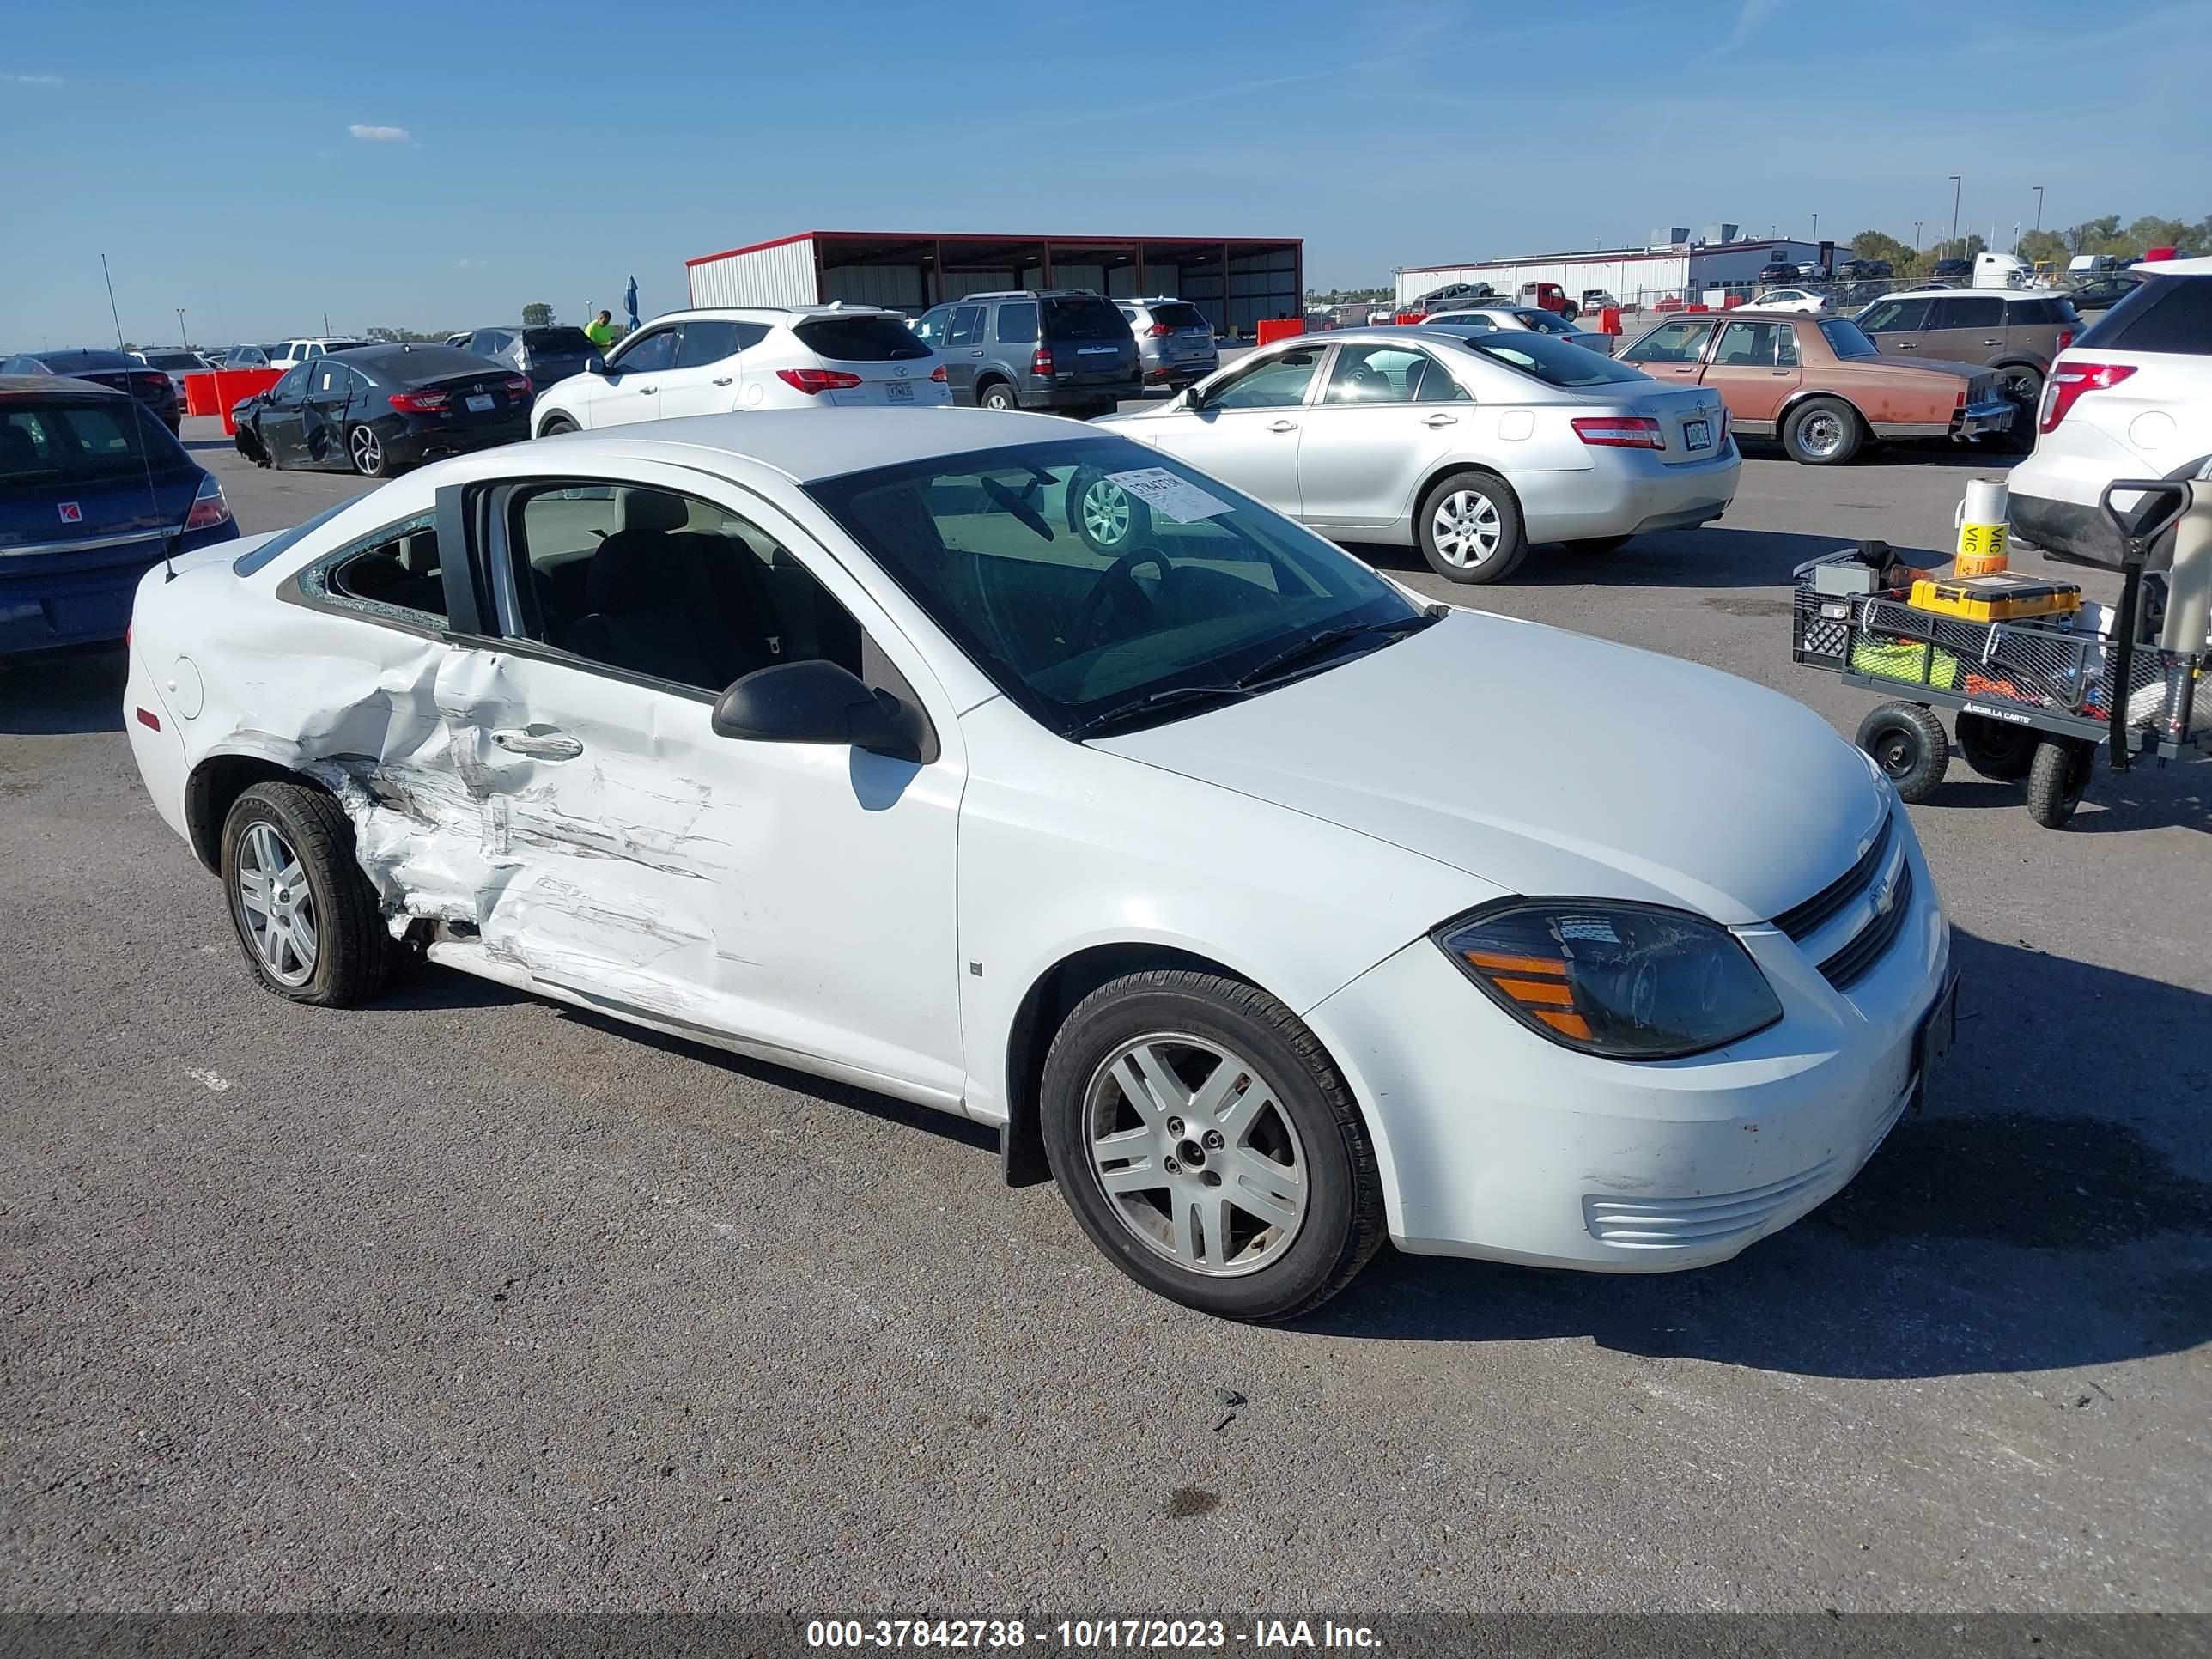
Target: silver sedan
(1533, 319)
(1469, 446)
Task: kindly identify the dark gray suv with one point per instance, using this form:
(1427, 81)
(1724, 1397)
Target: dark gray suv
(1059, 349)
(544, 354)
(2012, 330)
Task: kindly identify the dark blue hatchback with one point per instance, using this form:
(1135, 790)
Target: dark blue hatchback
(93, 489)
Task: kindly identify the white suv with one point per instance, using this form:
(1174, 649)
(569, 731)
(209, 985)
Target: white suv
(724, 359)
(2131, 398)
(302, 351)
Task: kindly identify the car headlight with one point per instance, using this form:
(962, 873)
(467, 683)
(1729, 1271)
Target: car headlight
(1630, 981)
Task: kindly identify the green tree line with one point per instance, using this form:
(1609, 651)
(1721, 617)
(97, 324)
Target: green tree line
(2106, 236)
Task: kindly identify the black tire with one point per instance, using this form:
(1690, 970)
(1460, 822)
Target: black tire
(1342, 1222)
(365, 450)
(355, 953)
(2023, 384)
(1478, 569)
(555, 425)
(1110, 519)
(1823, 432)
(1598, 544)
(1995, 749)
(2056, 779)
(998, 394)
(248, 443)
(1907, 743)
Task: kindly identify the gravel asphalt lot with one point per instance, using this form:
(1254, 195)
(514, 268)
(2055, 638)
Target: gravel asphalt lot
(468, 1301)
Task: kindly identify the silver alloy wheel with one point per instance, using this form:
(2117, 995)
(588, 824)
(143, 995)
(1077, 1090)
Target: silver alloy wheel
(1466, 528)
(998, 397)
(1822, 435)
(1195, 1155)
(1105, 510)
(367, 449)
(277, 905)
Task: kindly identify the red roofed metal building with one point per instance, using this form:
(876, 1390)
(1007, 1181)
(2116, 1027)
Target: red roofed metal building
(1235, 280)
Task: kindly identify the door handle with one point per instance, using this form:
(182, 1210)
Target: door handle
(1441, 420)
(1781, 374)
(1283, 426)
(976, 353)
(538, 743)
(1993, 343)
(1904, 345)
(726, 380)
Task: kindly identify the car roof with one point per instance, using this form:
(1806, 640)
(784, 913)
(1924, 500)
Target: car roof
(44, 385)
(759, 313)
(804, 444)
(1928, 291)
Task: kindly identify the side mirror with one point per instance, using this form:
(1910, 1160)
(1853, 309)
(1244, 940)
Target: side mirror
(821, 703)
(595, 364)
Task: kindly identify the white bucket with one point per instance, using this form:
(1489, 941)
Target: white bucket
(1980, 522)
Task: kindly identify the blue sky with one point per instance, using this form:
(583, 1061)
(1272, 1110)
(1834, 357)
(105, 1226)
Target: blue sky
(418, 165)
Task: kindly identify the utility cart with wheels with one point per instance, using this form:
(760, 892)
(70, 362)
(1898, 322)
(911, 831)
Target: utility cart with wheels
(2031, 699)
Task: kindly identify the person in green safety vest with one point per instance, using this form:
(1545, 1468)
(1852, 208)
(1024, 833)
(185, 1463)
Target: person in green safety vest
(600, 331)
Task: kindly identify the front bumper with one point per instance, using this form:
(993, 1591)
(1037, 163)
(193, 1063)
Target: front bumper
(1497, 1144)
(1627, 492)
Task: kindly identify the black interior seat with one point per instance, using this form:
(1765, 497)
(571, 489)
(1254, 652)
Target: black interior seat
(665, 601)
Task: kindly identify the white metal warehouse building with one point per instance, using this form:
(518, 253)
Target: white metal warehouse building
(1674, 262)
(1235, 280)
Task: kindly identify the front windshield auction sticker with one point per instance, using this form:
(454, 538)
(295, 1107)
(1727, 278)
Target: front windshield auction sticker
(1164, 492)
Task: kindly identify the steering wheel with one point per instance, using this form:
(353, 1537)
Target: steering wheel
(1115, 594)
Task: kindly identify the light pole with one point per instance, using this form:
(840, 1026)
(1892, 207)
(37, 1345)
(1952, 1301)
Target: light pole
(1956, 187)
(183, 339)
(1816, 227)
(2039, 207)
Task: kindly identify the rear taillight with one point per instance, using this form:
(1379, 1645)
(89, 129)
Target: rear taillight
(814, 380)
(518, 387)
(938, 375)
(2065, 339)
(1159, 332)
(1041, 360)
(2070, 381)
(1620, 432)
(209, 507)
(420, 402)
(151, 386)
(1720, 436)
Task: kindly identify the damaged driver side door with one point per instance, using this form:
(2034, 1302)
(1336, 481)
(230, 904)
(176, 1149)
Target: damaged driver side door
(797, 898)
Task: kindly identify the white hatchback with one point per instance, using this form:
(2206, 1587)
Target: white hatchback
(729, 359)
(831, 741)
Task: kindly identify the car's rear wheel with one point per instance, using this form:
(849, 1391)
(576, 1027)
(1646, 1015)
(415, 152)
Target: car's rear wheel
(1470, 529)
(2023, 385)
(365, 449)
(1822, 432)
(308, 918)
(998, 395)
(1208, 1146)
(555, 425)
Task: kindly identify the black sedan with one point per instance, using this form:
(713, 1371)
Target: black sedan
(119, 369)
(377, 408)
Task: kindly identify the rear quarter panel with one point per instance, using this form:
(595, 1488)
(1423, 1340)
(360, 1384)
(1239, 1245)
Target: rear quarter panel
(1890, 394)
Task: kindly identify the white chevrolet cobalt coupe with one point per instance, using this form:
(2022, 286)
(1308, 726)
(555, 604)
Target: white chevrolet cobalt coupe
(834, 740)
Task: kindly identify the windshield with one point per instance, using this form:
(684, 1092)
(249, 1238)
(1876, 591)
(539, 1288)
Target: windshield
(1847, 339)
(1545, 322)
(1086, 575)
(1555, 363)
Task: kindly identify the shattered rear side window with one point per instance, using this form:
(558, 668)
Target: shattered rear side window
(394, 573)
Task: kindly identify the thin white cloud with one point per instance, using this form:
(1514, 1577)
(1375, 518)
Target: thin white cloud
(34, 80)
(369, 134)
(472, 264)
(1753, 16)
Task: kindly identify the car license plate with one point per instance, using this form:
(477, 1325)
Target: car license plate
(479, 402)
(898, 392)
(1938, 1033)
(1697, 434)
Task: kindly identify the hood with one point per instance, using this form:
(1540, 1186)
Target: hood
(1549, 763)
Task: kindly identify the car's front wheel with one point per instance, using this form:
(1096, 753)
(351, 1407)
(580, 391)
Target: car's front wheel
(366, 450)
(1470, 529)
(1208, 1146)
(308, 917)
